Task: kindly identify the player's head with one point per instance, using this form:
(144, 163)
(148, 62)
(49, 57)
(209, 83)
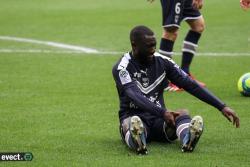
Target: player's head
(143, 43)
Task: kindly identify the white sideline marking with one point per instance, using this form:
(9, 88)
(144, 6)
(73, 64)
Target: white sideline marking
(49, 43)
(221, 54)
(72, 49)
(107, 53)
(56, 51)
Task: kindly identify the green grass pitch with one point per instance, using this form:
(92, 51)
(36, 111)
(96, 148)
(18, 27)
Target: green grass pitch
(63, 107)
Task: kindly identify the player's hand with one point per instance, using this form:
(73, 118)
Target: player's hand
(231, 116)
(245, 4)
(150, 1)
(169, 118)
(197, 4)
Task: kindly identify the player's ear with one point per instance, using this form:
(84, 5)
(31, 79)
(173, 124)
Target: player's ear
(133, 44)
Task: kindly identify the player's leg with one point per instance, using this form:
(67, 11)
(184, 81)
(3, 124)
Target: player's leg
(188, 130)
(166, 48)
(190, 45)
(169, 35)
(133, 133)
(197, 25)
(171, 19)
(190, 42)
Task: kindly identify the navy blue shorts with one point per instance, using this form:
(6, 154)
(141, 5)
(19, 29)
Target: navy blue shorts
(174, 11)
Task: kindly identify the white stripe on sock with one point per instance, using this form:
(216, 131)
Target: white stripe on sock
(190, 43)
(166, 53)
(188, 50)
(181, 128)
(127, 138)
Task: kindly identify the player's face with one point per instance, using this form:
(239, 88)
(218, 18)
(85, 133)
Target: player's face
(144, 50)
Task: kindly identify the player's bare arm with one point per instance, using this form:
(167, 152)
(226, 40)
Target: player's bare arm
(245, 4)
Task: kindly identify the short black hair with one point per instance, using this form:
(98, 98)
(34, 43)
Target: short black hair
(138, 33)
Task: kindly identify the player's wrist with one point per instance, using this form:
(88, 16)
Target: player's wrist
(222, 107)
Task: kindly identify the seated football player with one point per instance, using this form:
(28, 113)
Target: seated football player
(141, 76)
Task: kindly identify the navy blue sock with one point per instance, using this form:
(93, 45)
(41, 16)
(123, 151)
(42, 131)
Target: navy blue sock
(131, 143)
(189, 49)
(182, 124)
(166, 47)
(186, 61)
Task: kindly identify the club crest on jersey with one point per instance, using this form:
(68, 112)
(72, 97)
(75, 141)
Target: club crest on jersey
(137, 75)
(145, 82)
(176, 18)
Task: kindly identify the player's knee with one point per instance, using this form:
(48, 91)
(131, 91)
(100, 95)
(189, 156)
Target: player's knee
(170, 33)
(199, 27)
(182, 112)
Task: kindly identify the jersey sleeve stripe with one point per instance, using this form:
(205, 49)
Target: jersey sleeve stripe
(124, 61)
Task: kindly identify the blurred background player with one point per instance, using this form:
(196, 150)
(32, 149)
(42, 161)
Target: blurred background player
(141, 77)
(245, 4)
(173, 12)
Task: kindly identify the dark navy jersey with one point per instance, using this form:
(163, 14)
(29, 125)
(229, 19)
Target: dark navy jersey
(140, 87)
